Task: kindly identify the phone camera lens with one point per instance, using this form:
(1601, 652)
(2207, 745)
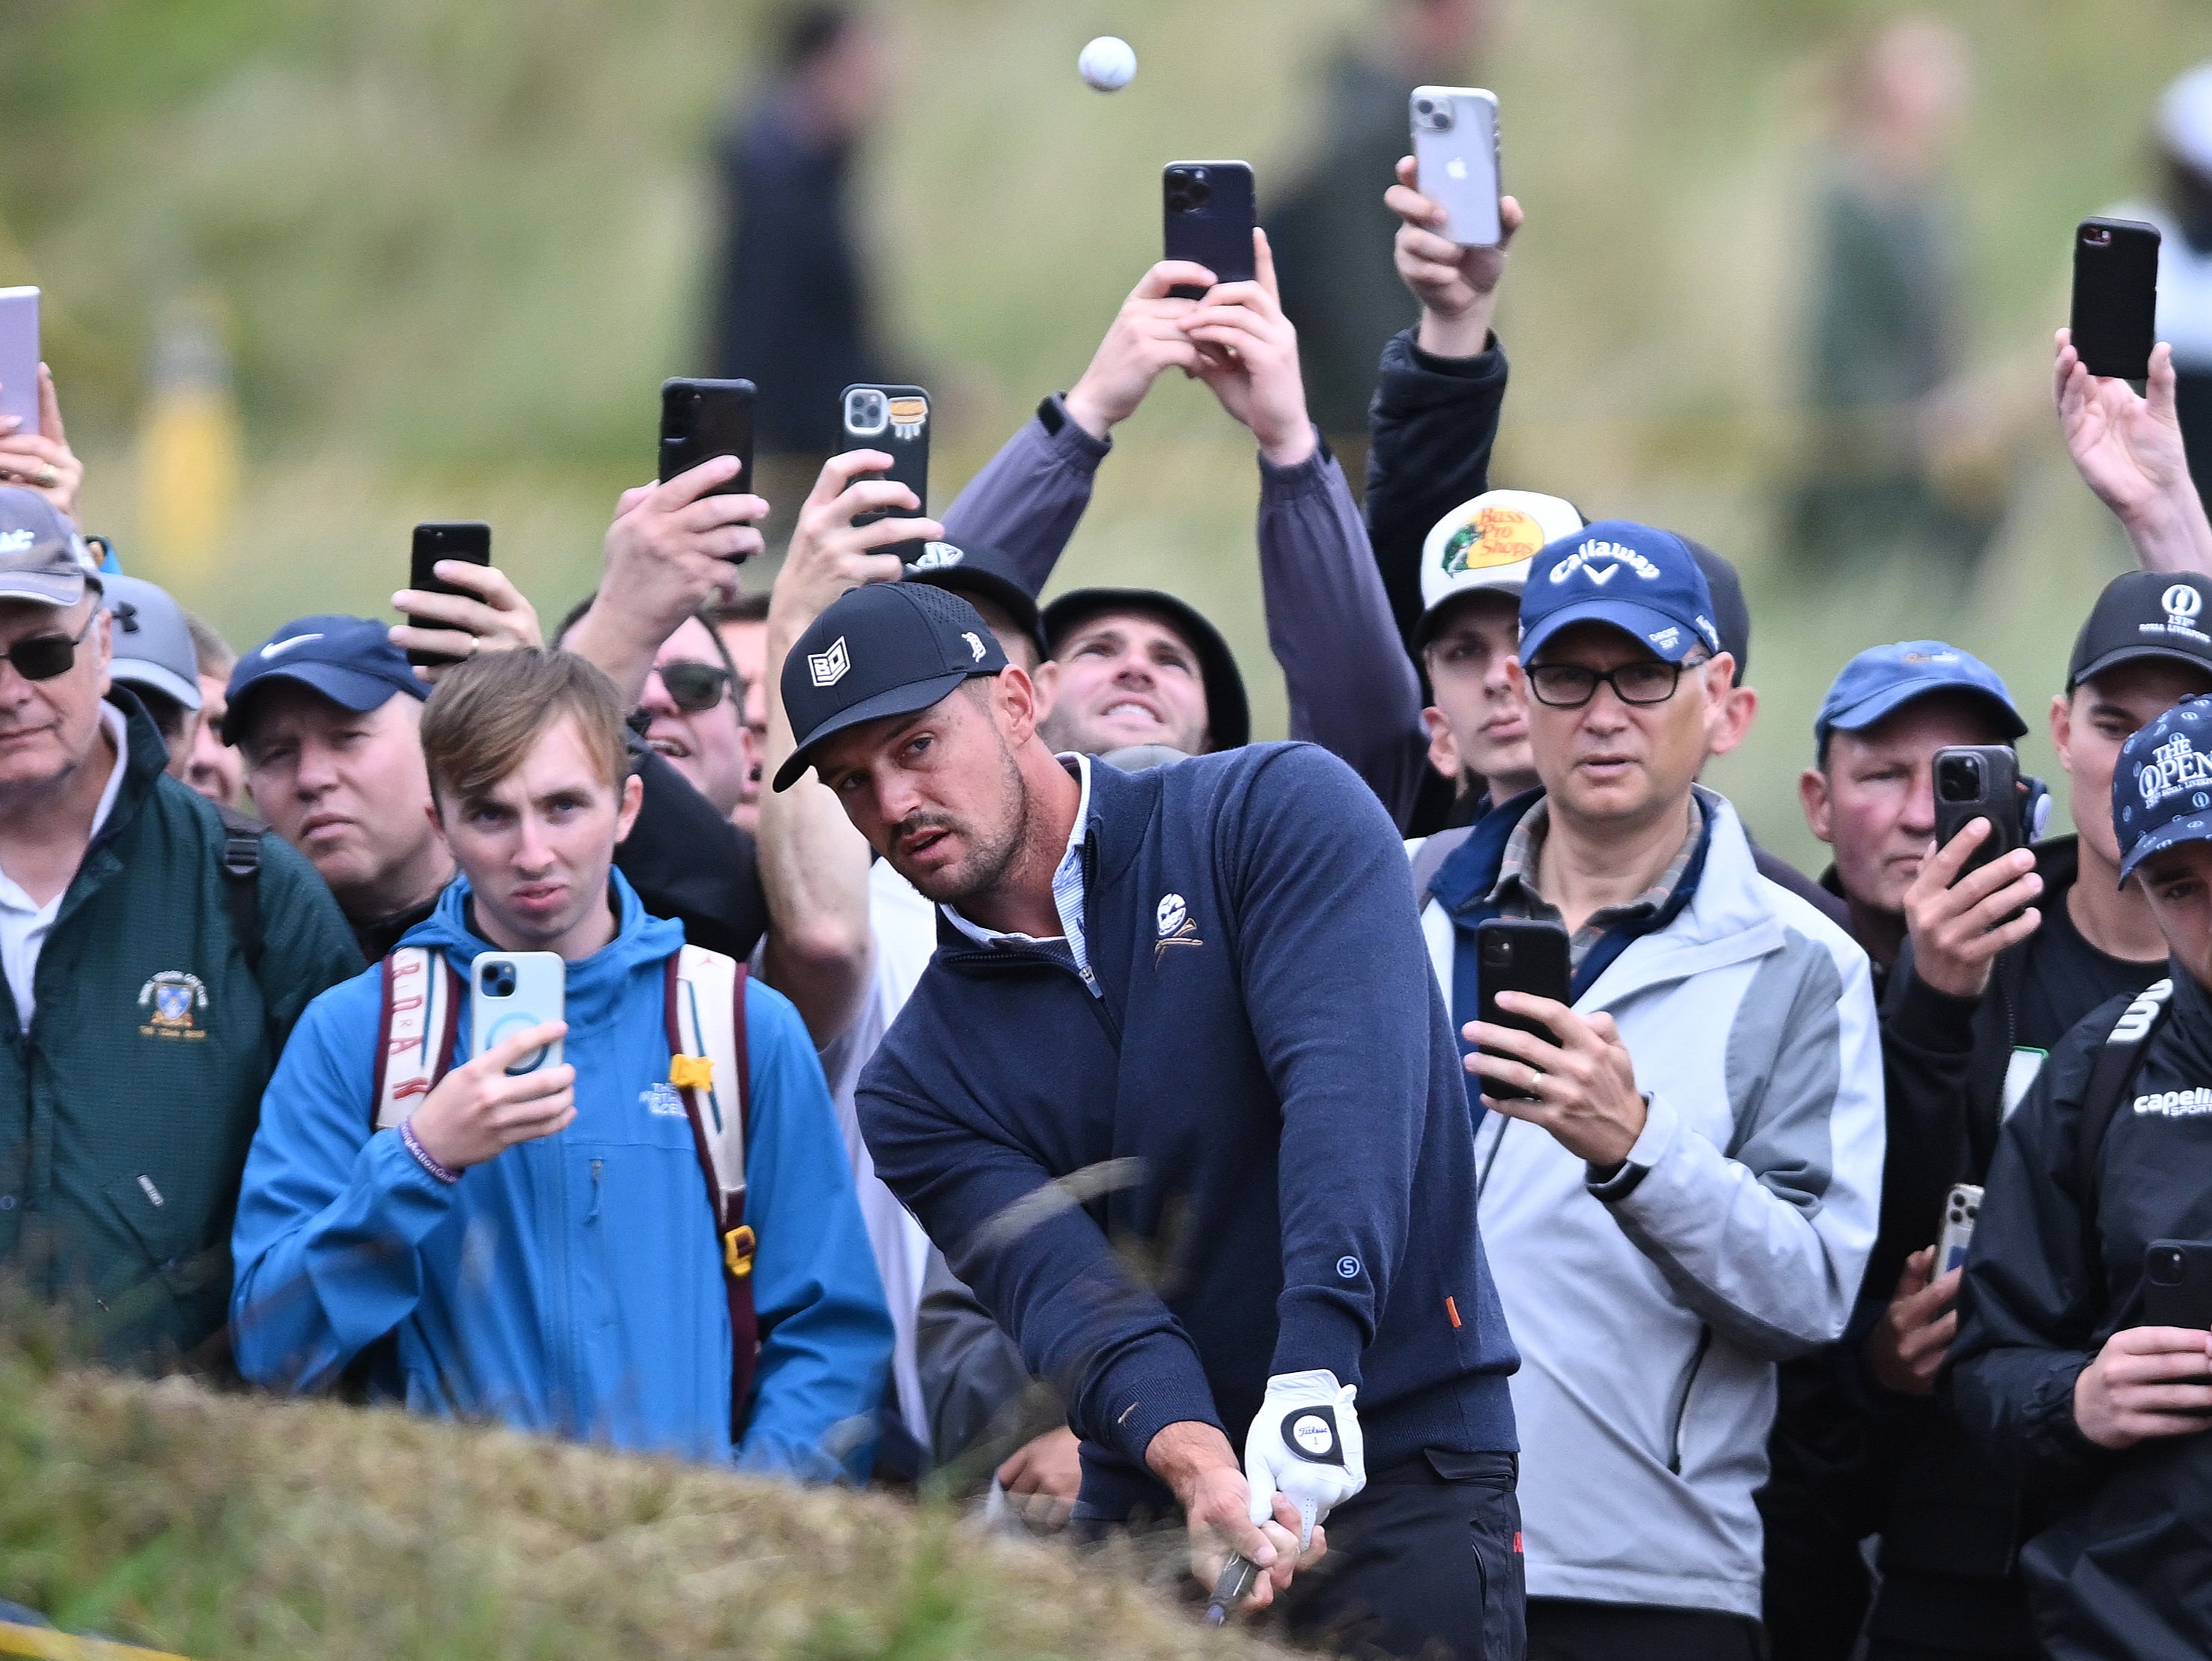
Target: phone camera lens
(2165, 1267)
(1959, 779)
(499, 979)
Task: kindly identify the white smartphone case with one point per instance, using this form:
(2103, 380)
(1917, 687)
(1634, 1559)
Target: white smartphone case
(510, 992)
(1959, 1211)
(1456, 160)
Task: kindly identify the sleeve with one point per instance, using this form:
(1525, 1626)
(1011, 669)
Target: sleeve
(825, 1332)
(1430, 429)
(1767, 1240)
(1318, 877)
(2031, 1308)
(306, 946)
(971, 1371)
(1106, 1342)
(1352, 690)
(329, 1215)
(688, 862)
(1029, 497)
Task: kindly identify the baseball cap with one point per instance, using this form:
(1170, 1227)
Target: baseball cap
(42, 557)
(885, 649)
(987, 573)
(153, 647)
(1643, 582)
(349, 660)
(2162, 784)
(1885, 678)
(2144, 614)
(1228, 711)
(1485, 544)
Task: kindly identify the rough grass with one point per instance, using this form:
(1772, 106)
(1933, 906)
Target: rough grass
(228, 1526)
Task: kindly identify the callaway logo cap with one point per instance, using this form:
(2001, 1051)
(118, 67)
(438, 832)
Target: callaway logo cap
(42, 558)
(1228, 711)
(1643, 582)
(980, 573)
(349, 660)
(2162, 784)
(154, 649)
(1885, 678)
(2144, 614)
(1485, 546)
(886, 649)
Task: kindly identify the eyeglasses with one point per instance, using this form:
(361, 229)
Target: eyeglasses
(1570, 686)
(693, 687)
(41, 657)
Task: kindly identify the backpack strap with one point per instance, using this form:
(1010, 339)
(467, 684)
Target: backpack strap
(2110, 1075)
(241, 880)
(414, 1034)
(708, 1065)
(1430, 857)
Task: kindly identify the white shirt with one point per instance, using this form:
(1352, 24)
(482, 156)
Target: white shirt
(24, 925)
(1066, 888)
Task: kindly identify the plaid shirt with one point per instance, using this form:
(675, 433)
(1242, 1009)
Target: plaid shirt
(1515, 892)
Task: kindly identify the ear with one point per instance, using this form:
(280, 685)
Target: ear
(2062, 728)
(1729, 709)
(102, 642)
(633, 798)
(1015, 699)
(437, 820)
(1443, 748)
(1812, 796)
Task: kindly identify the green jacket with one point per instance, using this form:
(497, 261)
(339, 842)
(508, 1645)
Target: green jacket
(126, 1111)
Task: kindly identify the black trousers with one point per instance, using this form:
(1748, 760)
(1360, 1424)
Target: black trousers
(1564, 1630)
(1425, 1561)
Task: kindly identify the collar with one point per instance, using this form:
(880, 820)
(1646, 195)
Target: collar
(1517, 870)
(1068, 891)
(112, 722)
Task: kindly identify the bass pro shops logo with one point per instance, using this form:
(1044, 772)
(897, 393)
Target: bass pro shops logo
(1173, 926)
(175, 1003)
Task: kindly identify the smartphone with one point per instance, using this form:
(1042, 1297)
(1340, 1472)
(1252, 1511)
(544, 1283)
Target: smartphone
(1980, 782)
(1455, 161)
(1208, 211)
(468, 539)
(895, 420)
(511, 992)
(2115, 317)
(18, 355)
(2178, 1283)
(1959, 1210)
(1516, 954)
(703, 419)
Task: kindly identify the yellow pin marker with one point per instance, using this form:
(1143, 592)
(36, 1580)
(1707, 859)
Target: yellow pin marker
(691, 1072)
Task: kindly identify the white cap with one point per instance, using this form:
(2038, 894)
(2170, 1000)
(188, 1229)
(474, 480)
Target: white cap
(1487, 543)
(2185, 118)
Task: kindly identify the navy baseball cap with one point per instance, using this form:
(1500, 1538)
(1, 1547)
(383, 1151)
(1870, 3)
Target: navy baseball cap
(885, 649)
(2162, 784)
(984, 573)
(1643, 582)
(1885, 678)
(349, 660)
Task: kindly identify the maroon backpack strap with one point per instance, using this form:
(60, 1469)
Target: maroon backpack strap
(418, 1020)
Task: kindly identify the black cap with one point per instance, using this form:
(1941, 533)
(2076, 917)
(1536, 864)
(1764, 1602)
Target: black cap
(984, 573)
(1228, 711)
(887, 649)
(1731, 613)
(2145, 614)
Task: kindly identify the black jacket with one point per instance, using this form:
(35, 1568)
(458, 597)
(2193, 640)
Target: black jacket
(2125, 1568)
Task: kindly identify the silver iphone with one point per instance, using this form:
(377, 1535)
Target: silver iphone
(1455, 161)
(1959, 1210)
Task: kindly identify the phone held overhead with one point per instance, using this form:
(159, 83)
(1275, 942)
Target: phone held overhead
(19, 356)
(1208, 212)
(703, 419)
(1455, 161)
(462, 539)
(894, 420)
(2115, 314)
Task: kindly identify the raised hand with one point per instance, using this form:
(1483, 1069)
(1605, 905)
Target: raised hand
(1457, 287)
(1249, 355)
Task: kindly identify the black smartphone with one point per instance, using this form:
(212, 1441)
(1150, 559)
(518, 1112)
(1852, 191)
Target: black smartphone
(1208, 213)
(2178, 1283)
(468, 539)
(1980, 782)
(1519, 954)
(703, 419)
(2115, 319)
(895, 420)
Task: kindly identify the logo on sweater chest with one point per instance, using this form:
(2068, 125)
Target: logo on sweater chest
(1174, 925)
(175, 1003)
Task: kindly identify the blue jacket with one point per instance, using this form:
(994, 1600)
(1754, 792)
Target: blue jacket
(572, 1284)
(1272, 1054)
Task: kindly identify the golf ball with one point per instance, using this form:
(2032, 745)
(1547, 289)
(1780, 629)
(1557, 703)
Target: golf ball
(1108, 63)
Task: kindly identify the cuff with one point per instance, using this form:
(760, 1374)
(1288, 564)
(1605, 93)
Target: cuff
(414, 1201)
(1068, 435)
(1307, 478)
(1651, 1144)
(1318, 1334)
(2056, 1441)
(1484, 363)
(1928, 1020)
(1157, 1384)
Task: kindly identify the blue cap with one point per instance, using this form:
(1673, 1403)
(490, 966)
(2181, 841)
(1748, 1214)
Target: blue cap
(2162, 784)
(349, 660)
(1885, 678)
(1644, 582)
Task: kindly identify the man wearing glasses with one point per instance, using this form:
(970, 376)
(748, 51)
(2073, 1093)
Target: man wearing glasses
(145, 1002)
(1693, 1196)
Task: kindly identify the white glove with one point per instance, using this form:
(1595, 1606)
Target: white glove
(1304, 1443)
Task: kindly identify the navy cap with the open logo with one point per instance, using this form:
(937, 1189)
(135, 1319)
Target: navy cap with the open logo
(2162, 784)
(888, 648)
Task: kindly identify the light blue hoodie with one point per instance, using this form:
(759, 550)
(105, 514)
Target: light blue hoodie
(572, 1284)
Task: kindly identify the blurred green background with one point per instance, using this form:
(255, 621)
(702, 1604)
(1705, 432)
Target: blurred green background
(452, 249)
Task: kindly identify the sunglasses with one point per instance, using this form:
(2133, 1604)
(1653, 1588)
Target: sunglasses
(693, 687)
(41, 657)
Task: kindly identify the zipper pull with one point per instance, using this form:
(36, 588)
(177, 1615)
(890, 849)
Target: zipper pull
(592, 1215)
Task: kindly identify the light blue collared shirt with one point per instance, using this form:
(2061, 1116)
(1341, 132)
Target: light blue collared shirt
(1066, 890)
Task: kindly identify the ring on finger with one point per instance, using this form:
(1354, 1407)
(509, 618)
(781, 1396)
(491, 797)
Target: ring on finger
(48, 476)
(1536, 1078)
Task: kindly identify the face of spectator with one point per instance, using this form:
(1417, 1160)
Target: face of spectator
(1613, 763)
(1478, 724)
(940, 794)
(537, 845)
(747, 644)
(2178, 882)
(2089, 726)
(846, 83)
(1875, 802)
(48, 728)
(347, 790)
(1124, 679)
(213, 769)
(710, 746)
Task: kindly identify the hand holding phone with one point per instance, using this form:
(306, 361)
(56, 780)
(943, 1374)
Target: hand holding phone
(468, 541)
(1961, 1209)
(895, 422)
(473, 608)
(1455, 285)
(703, 419)
(1209, 211)
(2115, 312)
(1967, 904)
(1519, 955)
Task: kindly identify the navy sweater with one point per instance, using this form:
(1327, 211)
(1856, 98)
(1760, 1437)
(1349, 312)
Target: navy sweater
(1273, 1059)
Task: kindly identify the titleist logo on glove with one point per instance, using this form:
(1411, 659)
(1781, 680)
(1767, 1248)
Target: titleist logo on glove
(1305, 1444)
